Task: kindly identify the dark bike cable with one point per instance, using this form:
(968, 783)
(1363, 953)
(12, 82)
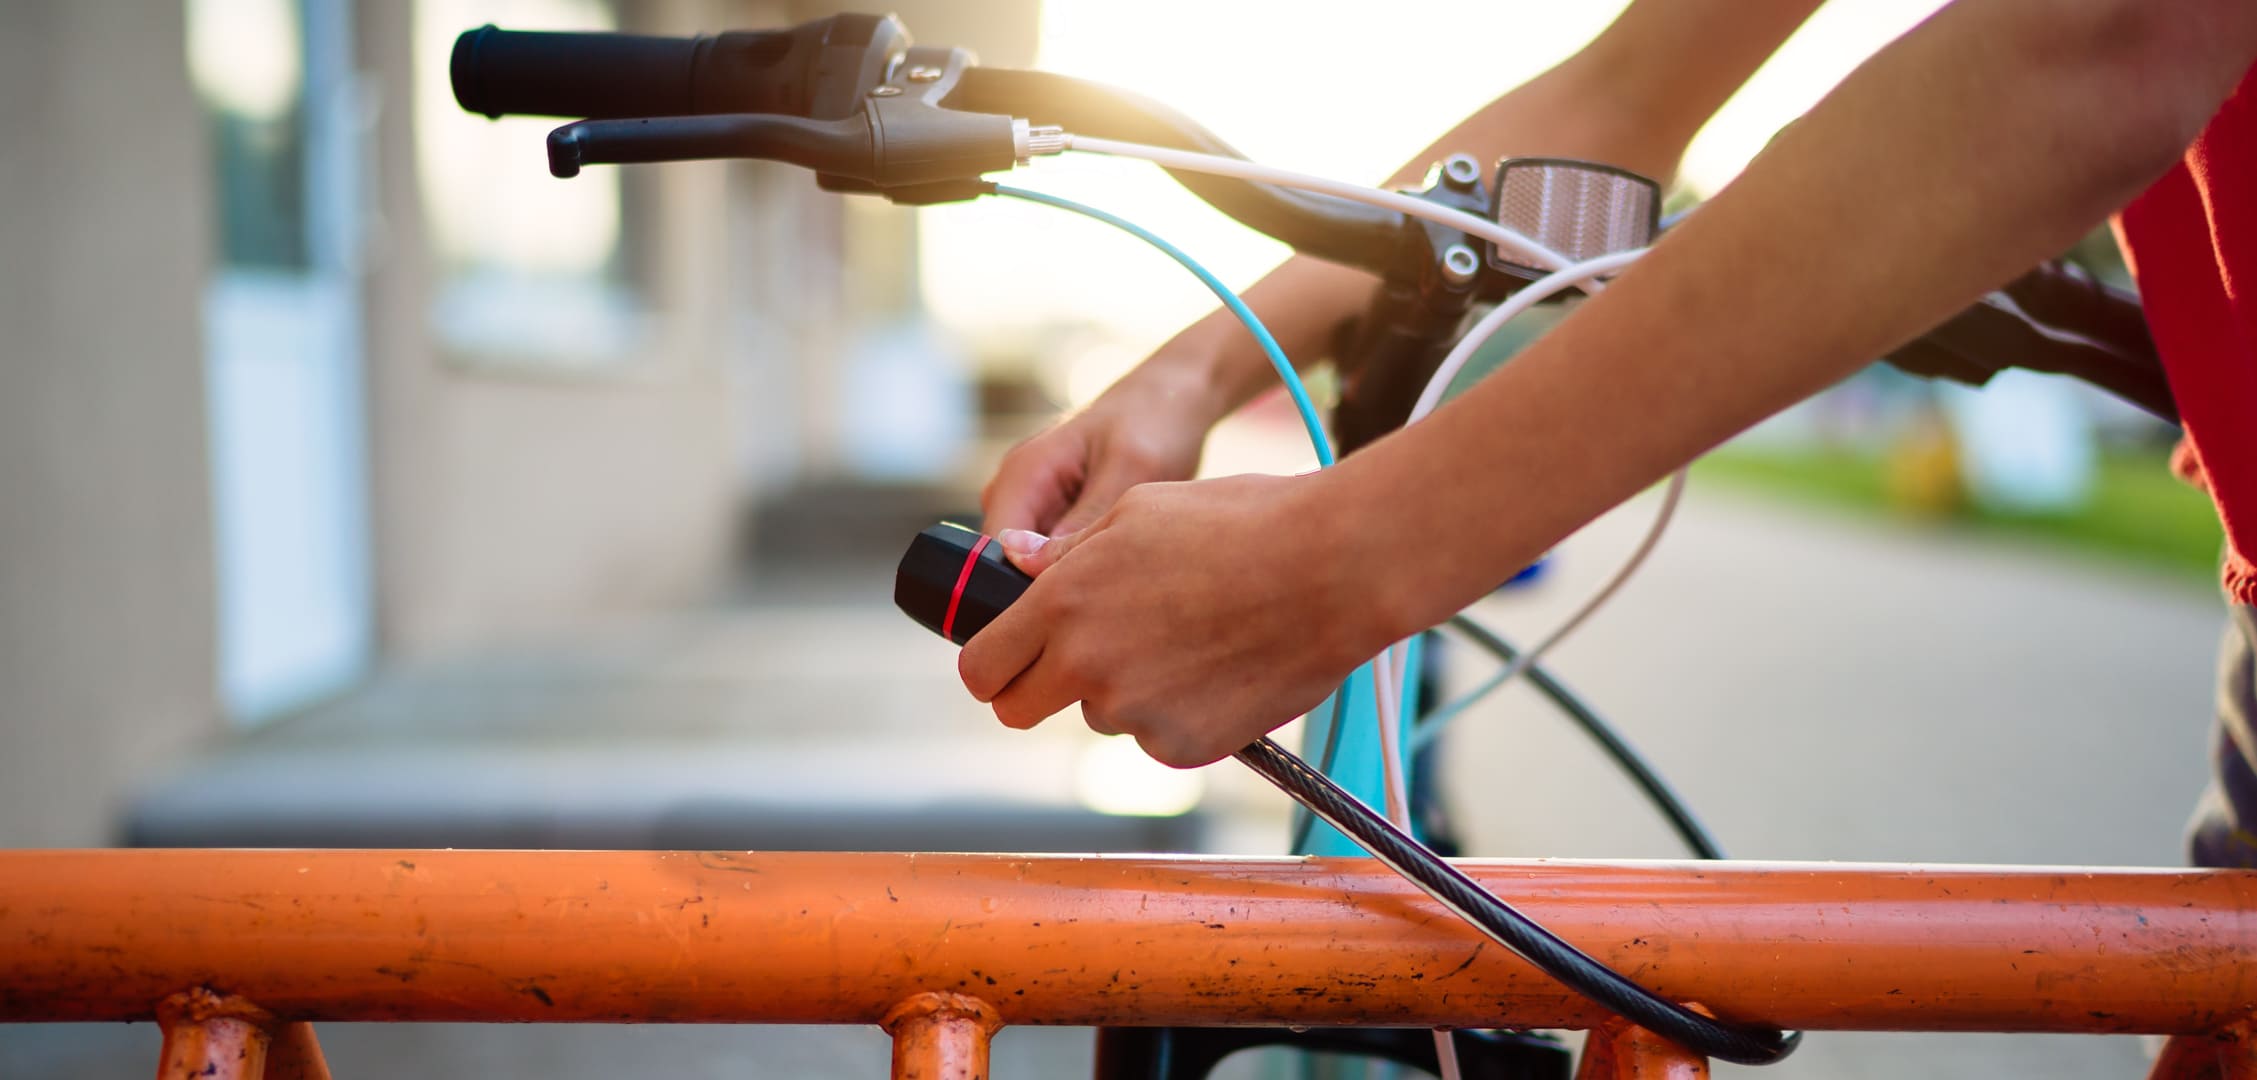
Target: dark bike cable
(1304, 822)
(1665, 799)
(1502, 923)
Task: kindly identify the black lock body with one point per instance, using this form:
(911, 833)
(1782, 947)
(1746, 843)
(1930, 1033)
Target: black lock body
(954, 581)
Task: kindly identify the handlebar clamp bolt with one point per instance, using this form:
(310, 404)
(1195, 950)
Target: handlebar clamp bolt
(922, 74)
(1459, 264)
(1461, 171)
(886, 91)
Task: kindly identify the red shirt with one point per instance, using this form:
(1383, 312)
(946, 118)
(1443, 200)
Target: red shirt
(2191, 240)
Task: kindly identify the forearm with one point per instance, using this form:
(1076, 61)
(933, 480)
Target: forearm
(1633, 98)
(1983, 141)
(1218, 362)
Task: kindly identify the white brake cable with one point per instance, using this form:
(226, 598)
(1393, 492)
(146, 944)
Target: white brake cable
(1242, 169)
(1430, 398)
(1583, 275)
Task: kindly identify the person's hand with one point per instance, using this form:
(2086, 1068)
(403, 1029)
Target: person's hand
(1193, 616)
(1150, 426)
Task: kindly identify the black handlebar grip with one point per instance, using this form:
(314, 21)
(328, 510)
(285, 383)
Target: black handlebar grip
(505, 72)
(818, 70)
(954, 581)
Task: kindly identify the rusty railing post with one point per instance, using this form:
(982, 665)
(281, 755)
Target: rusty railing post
(295, 1054)
(207, 1035)
(1619, 1050)
(941, 1037)
(2228, 1054)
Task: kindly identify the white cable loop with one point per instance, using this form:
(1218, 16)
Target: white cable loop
(1580, 275)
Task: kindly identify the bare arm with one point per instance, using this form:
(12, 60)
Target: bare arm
(1988, 138)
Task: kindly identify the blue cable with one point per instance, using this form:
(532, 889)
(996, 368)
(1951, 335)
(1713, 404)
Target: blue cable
(1262, 336)
(1270, 348)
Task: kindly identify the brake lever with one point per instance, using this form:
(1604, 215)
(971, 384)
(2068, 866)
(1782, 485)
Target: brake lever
(904, 149)
(898, 140)
(2059, 319)
(825, 144)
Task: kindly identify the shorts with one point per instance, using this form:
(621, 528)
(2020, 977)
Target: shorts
(2223, 832)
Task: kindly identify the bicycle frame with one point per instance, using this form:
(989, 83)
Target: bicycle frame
(229, 949)
(1341, 738)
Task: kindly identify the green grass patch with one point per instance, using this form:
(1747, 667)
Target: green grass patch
(2138, 513)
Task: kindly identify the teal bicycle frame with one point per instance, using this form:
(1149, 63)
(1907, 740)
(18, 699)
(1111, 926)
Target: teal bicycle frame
(1342, 738)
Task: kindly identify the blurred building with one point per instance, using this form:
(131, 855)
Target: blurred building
(304, 372)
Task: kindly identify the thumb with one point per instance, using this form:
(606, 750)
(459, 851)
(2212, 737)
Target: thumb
(1031, 488)
(1110, 481)
(1034, 552)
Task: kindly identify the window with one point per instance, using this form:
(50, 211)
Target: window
(247, 63)
(532, 268)
(282, 351)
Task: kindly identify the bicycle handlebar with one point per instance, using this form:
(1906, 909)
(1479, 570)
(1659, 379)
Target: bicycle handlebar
(815, 70)
(642, 92)
(848, 97)
(1336, 230)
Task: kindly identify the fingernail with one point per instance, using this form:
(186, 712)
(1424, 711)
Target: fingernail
(1020, 542)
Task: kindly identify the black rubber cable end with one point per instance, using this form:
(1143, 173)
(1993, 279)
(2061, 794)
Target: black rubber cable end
(954, 581)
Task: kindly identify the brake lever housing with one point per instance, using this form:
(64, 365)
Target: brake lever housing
(894, 139)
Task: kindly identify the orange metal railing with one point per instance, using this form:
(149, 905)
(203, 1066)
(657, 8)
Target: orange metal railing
(943, 949)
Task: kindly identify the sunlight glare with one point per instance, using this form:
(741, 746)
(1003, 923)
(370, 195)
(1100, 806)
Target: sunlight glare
(1114, 777)
(243, 55)
(1334, 87)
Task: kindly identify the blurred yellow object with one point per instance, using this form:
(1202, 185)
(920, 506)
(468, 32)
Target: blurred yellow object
(1923, 469)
